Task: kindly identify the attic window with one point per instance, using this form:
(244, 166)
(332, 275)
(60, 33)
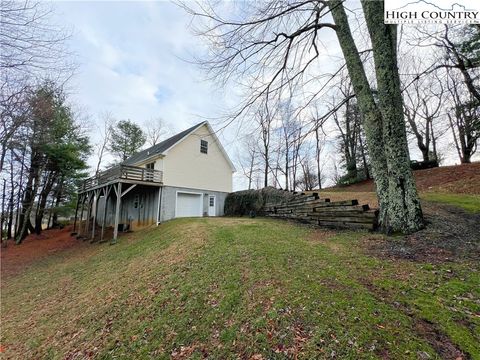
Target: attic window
(204, 146)
(150, 165)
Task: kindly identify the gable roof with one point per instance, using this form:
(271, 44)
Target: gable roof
(163, 147)
(159, 148)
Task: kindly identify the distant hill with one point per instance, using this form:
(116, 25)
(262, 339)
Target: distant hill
(457, 179)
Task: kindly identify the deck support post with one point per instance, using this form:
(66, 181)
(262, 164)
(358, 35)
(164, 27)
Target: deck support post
(106, 192)
(103, 183)
(160, 192)
(118, 191)
(89, 213)
(95, 206)
(84, 196)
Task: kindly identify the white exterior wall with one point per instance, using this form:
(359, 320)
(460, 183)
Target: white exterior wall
(158, 163)
(185, 166)
(169, 198)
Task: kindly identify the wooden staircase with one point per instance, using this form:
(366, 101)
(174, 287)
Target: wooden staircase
(323, 212)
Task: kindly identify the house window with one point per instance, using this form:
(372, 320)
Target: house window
(212, 201)
(203, 146)
(150, 165)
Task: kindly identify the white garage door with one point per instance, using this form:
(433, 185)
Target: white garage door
(189, 205)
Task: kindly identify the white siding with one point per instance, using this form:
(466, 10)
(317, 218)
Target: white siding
(158, 163)
(185, 166)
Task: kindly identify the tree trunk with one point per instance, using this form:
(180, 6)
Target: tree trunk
(404, 209)
(11, 200)
(250, 173)
(385, 130)
(434, 143)
(425, 154)
(2, 215)
(287, 174)
(265, 180)
(317, 156)
(31, 188)
(469, 82)
(364, 157)
(27, 204)
(42, 203)
(372, 119)
(10, 221)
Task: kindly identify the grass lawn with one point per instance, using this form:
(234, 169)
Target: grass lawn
(470, 203)
(227, 288)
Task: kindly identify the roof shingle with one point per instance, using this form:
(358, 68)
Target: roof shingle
(160, 147)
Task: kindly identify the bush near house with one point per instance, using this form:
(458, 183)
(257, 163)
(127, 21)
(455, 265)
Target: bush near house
(241, 203)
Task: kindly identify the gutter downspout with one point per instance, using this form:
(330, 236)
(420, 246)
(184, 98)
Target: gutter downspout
(159, 205)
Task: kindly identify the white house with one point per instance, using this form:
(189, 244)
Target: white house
(186, 175)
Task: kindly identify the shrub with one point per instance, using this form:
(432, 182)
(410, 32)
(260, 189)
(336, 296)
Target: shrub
(349, 178)
(244, 202)
(421, 165)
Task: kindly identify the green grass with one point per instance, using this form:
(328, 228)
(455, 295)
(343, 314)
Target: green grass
(470, 203)
(231, 288)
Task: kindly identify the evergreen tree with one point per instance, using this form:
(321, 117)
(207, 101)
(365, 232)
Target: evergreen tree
(126, 139)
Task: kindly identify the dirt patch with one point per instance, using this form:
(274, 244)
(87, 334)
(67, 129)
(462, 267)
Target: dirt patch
(442, 344)
(233, 221)
(35, 247)
(451, 234)
(321, 235)
(195, 235)
(458, 179)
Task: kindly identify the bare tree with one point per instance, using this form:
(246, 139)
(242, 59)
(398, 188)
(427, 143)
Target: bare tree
(292, 136)
(297, 144)
(31, 49)
(461, 61)
(424, 106)
(319, 143)
(308, 179)
(106, 136)
(156, 130)
(458, 50)
(319, 147)
(273, 44)
(348, 123)
(264, 121)
(465, 120)
(248, 160)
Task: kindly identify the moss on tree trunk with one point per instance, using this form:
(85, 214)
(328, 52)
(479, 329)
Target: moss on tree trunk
(372, 119)
(404, 210)
(384, 124)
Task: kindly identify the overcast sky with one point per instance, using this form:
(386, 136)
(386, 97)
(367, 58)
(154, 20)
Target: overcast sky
(133, 62)
(130, 56)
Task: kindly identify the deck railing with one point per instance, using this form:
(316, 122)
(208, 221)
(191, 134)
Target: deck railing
(125, 172)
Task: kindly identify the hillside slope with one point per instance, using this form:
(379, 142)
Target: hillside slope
(458, 179)
(225, 288)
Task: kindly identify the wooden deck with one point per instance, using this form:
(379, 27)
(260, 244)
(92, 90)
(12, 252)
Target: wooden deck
(107, 184)
(125, 174)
